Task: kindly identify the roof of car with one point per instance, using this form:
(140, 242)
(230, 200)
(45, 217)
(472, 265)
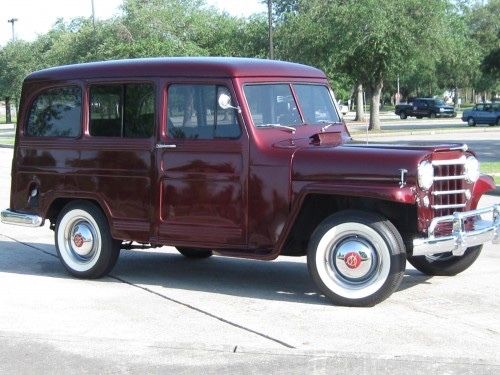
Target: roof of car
(179, 67)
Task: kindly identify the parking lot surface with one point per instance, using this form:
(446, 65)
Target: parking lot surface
(159, 311)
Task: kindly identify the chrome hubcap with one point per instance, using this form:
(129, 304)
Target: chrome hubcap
(354, 259)
(81, 239)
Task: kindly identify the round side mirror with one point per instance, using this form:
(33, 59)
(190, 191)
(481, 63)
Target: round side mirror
(224, 101)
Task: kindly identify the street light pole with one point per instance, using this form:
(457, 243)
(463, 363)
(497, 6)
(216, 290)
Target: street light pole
(270, 21)
(12, 21)
(93, 15)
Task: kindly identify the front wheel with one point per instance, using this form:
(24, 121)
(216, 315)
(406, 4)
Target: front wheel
(432, 115)
(356, 258)
(471, 122)
(83, 241)
(445, 264)
(403, 116)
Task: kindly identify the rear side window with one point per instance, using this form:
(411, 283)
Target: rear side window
(122, 110)
(56, 113)
(193, 113)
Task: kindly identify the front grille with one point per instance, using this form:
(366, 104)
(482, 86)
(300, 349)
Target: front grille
(449, 192)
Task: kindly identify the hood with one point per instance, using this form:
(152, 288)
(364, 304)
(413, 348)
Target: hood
(354, 161)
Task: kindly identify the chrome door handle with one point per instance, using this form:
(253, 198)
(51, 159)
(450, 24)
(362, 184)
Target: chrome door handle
(158, 146)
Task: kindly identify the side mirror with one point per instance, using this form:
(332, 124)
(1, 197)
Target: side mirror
(224, 101)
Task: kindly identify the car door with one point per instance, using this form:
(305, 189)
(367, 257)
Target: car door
(203, 167)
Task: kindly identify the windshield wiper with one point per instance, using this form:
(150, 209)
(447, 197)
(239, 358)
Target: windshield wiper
(277, 126)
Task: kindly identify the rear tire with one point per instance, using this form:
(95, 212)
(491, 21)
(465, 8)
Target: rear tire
(83, 241)
(356, 258)
(445, 264)
(193, 253)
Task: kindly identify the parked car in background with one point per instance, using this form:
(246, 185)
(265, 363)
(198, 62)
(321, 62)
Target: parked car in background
(484, 113)
(425, 107)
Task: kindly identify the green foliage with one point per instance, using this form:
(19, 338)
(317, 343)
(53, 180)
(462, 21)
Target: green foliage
(430, 45)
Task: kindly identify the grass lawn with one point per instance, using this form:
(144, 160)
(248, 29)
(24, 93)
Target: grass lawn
(492, 168)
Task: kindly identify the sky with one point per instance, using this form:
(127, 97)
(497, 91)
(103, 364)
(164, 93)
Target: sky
(37, 16)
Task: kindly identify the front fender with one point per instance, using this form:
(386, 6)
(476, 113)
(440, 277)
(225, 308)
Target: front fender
(483, 184)
(300, 190)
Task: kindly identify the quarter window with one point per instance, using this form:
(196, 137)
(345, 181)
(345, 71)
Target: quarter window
(122, 110)
(56, 113)
(193, 113)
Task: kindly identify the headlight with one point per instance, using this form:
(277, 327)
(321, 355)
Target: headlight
(471, 169)
(441, 109)
(425, 175)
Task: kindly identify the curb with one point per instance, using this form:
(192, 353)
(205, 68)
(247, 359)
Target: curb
(6, 146)
(384, 133)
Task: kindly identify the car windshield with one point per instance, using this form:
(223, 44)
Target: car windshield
(275, 104)
(439, 103)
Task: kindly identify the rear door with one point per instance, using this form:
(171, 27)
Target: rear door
(203, 169)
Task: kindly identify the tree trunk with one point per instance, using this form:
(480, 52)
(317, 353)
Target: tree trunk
(455, 98)
(360, 112)
(375, 107)
(8, 118)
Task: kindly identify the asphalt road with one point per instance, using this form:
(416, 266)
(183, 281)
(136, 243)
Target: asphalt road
(158, 312)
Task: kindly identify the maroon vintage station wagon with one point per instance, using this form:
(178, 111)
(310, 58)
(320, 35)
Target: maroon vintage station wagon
(238, 157)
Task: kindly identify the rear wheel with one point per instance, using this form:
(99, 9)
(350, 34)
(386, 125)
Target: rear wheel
(498, 121)
(471, 122)
(83, 240)
(193, 253)
(445, 264)
(356, 258)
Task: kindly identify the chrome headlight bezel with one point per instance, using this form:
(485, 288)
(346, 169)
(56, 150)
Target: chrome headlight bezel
(425, 175)
(471, 169)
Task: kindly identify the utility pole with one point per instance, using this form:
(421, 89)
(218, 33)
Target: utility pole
(270, 21)
(93, 14)
(13, 21)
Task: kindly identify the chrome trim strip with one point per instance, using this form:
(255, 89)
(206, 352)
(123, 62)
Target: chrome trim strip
(459, 161)
(446, 178)
(443, 206)
(449, 192)
(464, 146)
(16, 218)
(460, 239)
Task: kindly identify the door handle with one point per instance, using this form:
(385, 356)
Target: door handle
(159, 146)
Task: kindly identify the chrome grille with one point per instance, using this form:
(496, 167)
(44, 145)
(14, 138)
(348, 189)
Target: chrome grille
(448, 193)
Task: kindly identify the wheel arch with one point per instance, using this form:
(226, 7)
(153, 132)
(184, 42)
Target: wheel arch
(58, 203)
(314, 207)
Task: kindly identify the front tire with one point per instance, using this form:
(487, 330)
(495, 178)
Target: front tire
(445, 264)
(403, 116)
(356, 258)
(432, 115)
(83, 241)
(471, 122)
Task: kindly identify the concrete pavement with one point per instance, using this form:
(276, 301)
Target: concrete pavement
(160, 312)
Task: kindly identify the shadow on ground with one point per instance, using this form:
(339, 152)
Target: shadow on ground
(280, 281)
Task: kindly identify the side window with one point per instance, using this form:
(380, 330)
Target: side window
(122, 110)
(193, 113)
(56, 113)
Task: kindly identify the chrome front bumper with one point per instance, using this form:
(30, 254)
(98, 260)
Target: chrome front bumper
(17, 218)
(460, 239)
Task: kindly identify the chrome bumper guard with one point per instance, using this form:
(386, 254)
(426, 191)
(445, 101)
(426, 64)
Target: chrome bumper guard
(460, 239)
(17, 218)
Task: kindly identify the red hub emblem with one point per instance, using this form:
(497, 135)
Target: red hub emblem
(352, 260)
(78, 240)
